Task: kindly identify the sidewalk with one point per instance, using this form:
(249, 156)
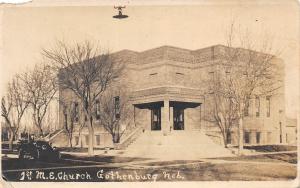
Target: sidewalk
(119, 153)
(96, 152)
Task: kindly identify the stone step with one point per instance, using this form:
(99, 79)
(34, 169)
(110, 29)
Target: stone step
(178, 144)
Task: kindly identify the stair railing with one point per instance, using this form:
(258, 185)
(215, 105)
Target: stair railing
(126, 141)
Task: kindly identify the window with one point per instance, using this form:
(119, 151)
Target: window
(280, 129)
(97, 140)
(156, 119)
(76, 111)
(87, 139)
(97, 110)
(247, 108)
(269, 137)
(268, 106)
(228, 138)
(211, 76)
(178, 118)
(66, 117)
(117, 107)
(257, 137)
(179, 76)
(247, 137)
(227, 72)
(86, 106)
(76, 140)
(257, 106)
(4, 136)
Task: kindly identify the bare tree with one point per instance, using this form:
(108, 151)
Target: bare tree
(244, 72)
(74, 119)
(69, 114)
(51, 120)
(110, 111)
(13, 107)
(221, 110)
(86, 71)
(41, 85)
(82, 123)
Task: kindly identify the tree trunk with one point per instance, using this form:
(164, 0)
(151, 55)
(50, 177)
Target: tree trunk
(80, 139)
(70, 142)
(241, 136)
(11, 140)
(39, 126)
(225, 139)
(40, 131)
(38, 123)
(116, 138)
(91, 139)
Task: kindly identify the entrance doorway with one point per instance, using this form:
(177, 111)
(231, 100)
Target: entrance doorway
(155, 119)
(178, 118)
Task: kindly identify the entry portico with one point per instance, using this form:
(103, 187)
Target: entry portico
(165, 108)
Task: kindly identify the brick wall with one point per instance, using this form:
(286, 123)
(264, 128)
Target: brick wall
(170, 66)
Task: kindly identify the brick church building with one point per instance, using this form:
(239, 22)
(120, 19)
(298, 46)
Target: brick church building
(167, 97)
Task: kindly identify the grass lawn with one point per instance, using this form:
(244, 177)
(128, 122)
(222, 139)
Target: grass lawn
(281, 157)
(272, 148)
(189, 170)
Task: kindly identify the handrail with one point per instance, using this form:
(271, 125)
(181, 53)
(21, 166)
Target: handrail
(218, 136)
(60, 131)
(129, 139)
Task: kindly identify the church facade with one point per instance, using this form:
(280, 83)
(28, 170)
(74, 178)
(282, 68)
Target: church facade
(167, 94)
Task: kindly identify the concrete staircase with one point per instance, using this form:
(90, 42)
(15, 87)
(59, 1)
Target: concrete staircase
(178, 145)
(126, 140)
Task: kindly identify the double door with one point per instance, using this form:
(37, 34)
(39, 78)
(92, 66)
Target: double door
(178, 118)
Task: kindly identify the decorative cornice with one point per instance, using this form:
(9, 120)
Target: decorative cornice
(170, 53)
(165, 91)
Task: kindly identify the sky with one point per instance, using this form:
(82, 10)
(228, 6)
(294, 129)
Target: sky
(26, 29)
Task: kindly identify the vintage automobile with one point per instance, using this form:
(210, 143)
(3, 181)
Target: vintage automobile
(38, 150)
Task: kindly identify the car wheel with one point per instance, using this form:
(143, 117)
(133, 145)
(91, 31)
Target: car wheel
(21, 154)
(58, 156)
(37, 155)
